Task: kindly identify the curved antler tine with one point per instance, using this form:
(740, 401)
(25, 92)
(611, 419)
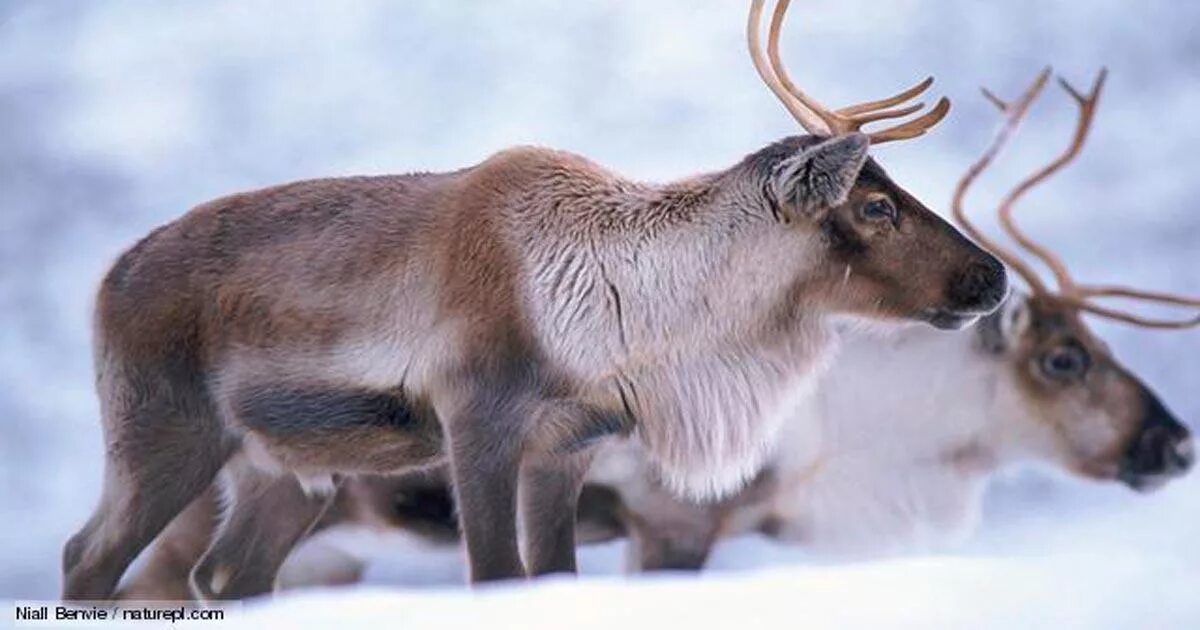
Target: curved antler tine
(1130, 318)
(1093, 95)
(1087, 110)
(851, 119)
(1090, 291)
(900, 97)
(915, 127)
(809, 103)
(807, 119)
(1013, 116)
(899, 112)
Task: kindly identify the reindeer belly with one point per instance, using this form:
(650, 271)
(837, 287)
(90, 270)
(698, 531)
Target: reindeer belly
(312, 429)
(356, 405)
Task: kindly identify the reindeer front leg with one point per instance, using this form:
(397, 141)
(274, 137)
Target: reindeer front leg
(549, 499)
(485, 440)
(557, 459)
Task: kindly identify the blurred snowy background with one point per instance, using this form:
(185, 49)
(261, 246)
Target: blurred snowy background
(118, 116)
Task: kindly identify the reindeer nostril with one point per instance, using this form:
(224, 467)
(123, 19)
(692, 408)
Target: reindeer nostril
(981, 287)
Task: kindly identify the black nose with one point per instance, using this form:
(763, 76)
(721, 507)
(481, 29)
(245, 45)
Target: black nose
(1161, 450)
(980, 287)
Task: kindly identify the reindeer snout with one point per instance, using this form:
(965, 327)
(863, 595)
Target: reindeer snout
(1183, 455)
(980, 288)
(1164, 449)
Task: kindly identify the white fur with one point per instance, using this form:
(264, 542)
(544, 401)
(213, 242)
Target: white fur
(671, 324)
(894, 450)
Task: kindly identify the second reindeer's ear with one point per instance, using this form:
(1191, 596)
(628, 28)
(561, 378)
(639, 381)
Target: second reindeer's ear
(1002, 330)
(822, 175)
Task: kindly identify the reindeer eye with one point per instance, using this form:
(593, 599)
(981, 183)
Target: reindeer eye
(878, 210)
(1065, 362)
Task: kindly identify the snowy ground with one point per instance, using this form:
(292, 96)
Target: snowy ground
(1116, 590)
(117, 116)
(1122, 562)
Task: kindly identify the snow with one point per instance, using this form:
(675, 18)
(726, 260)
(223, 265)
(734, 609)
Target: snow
(118, 116)
(1087, 590)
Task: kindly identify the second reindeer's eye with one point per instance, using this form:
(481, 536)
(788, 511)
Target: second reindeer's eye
(879, 209)
(1066, 362)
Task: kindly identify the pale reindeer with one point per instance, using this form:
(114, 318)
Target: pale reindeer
(894, 450)
(501, 319)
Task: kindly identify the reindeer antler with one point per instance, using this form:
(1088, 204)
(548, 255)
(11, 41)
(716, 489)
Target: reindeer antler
(818, 119)
(1087, 112)
(1129, 318)
(1013, 114)
(807, 119)
(1069, 292)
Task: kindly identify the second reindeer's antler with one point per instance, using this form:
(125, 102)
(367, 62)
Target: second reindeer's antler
(818, 119)
(1069, 292)
(1014, 112)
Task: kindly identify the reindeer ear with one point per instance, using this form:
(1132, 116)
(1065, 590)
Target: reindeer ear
(1016, 316)
(822, 175)
(1002, 329)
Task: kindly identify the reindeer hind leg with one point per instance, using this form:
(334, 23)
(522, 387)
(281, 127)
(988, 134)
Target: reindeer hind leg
(165, 446)
(165, 567)
(265, 517)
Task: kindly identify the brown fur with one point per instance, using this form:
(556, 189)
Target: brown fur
(182, 564)
(164, 572)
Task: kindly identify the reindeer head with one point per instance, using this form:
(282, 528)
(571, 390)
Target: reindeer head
(887, 255)
(1085, 410)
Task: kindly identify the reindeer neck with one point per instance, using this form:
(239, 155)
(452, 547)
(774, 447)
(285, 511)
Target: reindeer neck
(917, 393)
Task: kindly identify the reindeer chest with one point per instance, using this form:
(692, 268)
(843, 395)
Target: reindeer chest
(708, 420)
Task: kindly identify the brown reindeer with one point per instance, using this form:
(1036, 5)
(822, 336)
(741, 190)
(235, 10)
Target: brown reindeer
(503, 319)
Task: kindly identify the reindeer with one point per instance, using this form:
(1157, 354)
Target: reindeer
(502, 320)
(897, 445)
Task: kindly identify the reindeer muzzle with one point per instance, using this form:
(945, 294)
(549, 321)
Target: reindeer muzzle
(1161, 451)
